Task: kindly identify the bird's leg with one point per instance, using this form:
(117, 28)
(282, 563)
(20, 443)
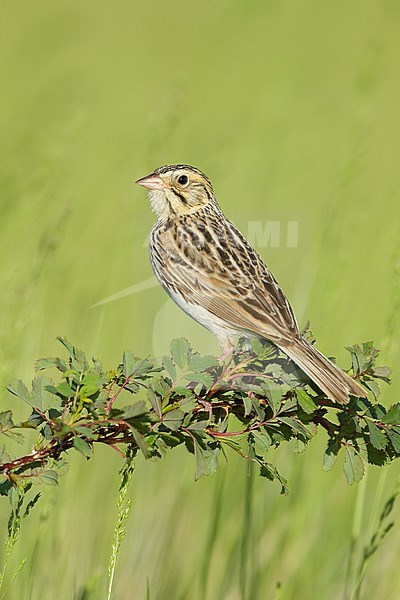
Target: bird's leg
(207, 408)
(227, 348)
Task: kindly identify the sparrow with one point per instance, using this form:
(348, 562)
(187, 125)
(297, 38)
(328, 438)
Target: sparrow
(214, 275)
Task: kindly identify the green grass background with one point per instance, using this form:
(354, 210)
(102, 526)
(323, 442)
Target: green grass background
(292, 109)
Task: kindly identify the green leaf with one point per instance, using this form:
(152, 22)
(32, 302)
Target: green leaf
(382, 373)
(394, 438)
(269, 471)
(201, 363)
(305, 401)
(64, 389)
(204, 378)
(262, 441)
(248, 405)
(296, 426)
(182, 391)
(44, 363)
(133, 410)
(141, 442)
(4, 456)
(49, 477)
(86, 431)
(188, 404)
(331, 454)
(206, 454)
(70, 348)
(128, 362)
(198, 425)
(180, 351)
(173, 419)
(274, 395)
(6, 421)
(373, 386)
(377, 436)
(169, 367)
(18, 388)
(155, 402)
(14, 494)
(42, 397)
(82, 447)
(31, 504)
(91, 384)
(392, 417)
(353, 466)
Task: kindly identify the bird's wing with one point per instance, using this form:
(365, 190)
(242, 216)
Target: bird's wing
(229, 279)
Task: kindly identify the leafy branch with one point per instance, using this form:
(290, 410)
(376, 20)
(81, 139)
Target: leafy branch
(249, 403)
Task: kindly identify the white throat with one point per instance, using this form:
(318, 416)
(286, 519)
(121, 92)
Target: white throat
(159, 205)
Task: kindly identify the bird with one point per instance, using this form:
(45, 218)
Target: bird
(215, 276)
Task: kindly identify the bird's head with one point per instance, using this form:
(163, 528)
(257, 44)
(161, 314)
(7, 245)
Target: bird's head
(176, 190)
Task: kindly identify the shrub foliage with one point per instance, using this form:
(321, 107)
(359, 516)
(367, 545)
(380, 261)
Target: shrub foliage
(253, 401)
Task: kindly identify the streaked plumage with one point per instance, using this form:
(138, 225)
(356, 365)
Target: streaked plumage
(210, 270)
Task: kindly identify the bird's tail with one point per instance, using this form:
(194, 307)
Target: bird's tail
(336, 384)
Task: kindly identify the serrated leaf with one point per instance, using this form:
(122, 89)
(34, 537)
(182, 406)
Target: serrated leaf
(180, 351)
(394, 438)
(49, 477)
(64, 389)
(206, 455)
(82, 447)
(19, 389)
(392, 417)
(141, 442)
(331, 454)
(31, 504)
(296, 426)
(6, 421)
(299, 446)
(273, 395)
(305, 401)
(248, 405)
(173, 419)
(269, 471)
(274, 369)
(382, 373)
(44, 363)
(376, 411)
(4, 456)
(86, 431)
(373, 386)
(256, 346)
(353, 466)
(128, 362)
(169, 367)
(203, 378)
(133, 410)
(377, 436)
(188, 405)
(201, 363)
(375, 457)
(262, 441)
(66, 344)
(91, 384)
(155, 402)
(14, 496)
(198, 425)
(182, 391)
(42, 397)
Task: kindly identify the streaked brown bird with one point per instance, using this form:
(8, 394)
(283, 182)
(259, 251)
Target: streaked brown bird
(210, 270)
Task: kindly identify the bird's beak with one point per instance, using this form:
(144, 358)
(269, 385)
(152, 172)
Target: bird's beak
(151, 182)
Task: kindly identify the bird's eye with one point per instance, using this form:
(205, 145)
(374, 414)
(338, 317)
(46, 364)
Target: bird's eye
(183, 179)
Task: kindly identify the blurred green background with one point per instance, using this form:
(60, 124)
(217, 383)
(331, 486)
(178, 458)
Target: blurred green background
(292, 109)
